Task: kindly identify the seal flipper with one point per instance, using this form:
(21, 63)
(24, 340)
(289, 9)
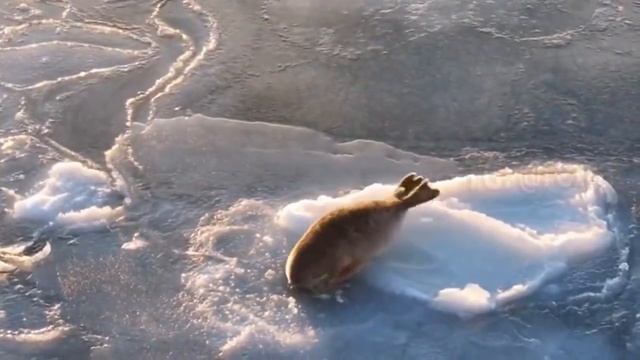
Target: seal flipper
(346, 271)
(407, 185)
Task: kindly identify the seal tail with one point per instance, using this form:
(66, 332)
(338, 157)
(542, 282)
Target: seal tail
(419, 193)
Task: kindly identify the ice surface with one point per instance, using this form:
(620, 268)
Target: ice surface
(136, 243)
(488, 240)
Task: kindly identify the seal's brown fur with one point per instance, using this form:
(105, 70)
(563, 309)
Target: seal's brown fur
(343, 241)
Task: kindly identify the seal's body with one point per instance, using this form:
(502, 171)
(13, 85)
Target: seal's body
(342, 242)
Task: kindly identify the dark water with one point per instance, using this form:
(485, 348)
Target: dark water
(482, 84)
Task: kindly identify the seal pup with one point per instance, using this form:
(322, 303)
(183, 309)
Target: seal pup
(339, 244)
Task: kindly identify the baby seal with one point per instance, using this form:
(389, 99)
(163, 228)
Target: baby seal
(342, 242)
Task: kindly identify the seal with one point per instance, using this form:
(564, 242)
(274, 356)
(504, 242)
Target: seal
(342, 242)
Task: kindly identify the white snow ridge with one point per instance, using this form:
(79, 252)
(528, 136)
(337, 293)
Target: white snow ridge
(488, 239)
(72, 195)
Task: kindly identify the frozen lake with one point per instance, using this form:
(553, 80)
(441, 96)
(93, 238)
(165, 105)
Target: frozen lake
(158, 160)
